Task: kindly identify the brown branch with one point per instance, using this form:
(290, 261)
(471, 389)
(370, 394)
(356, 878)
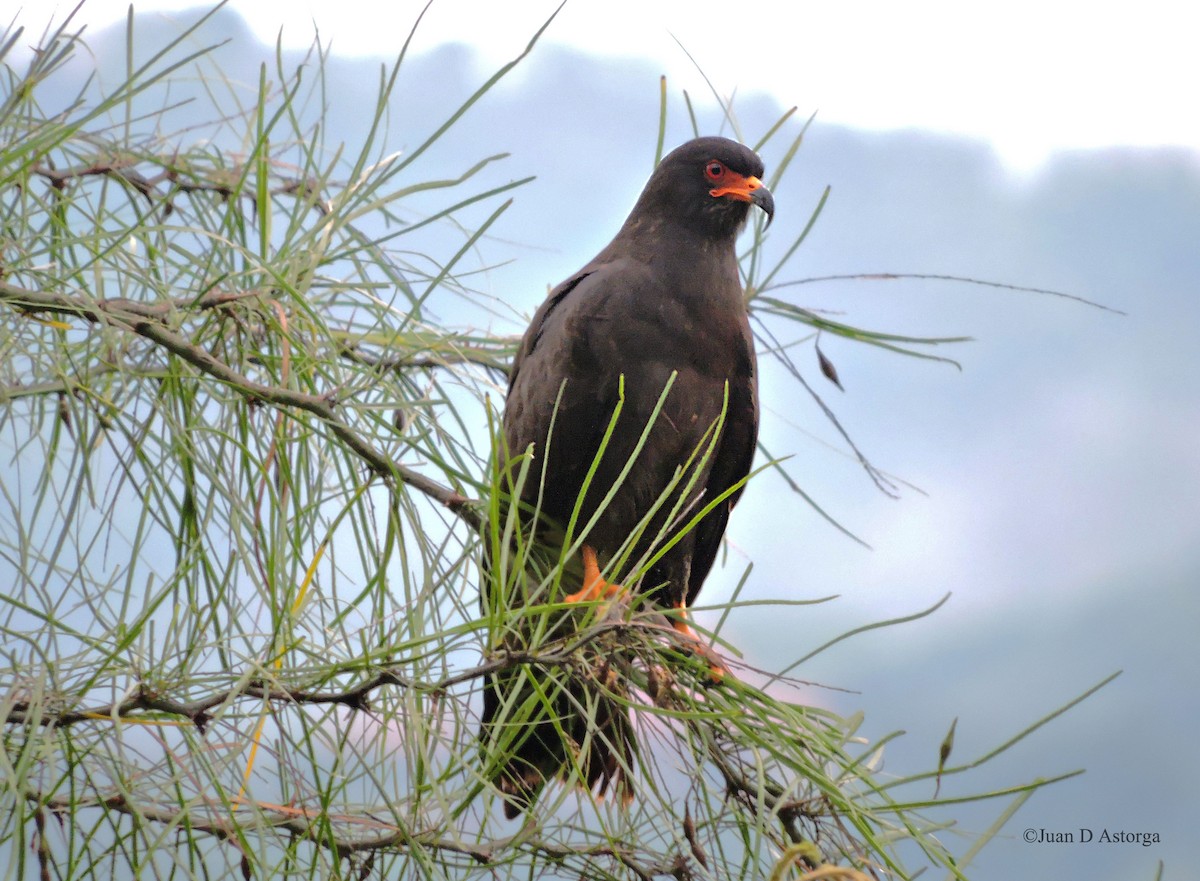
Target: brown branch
(459, 355)
(122, 170)
(146, 320)
(313, 826)
(562, 652)
(198, 711)
(765, 796)
(59, 178)
(350, 834)
(296, 821)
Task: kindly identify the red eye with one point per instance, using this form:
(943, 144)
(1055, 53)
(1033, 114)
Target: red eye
(715, 170)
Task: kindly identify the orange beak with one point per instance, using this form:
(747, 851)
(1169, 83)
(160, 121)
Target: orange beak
(748, 189)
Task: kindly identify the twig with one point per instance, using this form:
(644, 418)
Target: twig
(147, 321)
(198, 711)
(122, 170)
(314, 826)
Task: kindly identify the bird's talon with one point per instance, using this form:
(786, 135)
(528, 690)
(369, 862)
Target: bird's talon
(594, 585)
(717, 668)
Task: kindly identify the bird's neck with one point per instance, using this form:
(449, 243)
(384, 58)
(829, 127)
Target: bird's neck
(673, 248)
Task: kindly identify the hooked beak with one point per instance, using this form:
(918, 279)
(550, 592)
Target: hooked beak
(749, 189)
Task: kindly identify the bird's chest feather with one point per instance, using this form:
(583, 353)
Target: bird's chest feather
(673, 356)
(683, 327)
(618, 337)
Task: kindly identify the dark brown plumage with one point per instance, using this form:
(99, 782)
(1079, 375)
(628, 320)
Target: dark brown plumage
(662, 300)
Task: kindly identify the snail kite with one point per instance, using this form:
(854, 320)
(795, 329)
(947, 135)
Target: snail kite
(662, 305)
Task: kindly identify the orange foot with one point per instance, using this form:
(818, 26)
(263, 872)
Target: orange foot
(717, 669)
(594, 585)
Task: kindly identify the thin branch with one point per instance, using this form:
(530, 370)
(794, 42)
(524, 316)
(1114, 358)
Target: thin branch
(146, 321)
(199, 711)
(121, 170)
(497, 360)
(313, 826)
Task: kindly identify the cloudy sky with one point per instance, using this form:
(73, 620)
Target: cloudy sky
(1028, 76)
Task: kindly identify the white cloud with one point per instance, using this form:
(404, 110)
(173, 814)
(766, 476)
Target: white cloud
(1028, 77)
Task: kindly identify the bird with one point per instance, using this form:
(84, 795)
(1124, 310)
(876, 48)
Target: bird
(635, 380)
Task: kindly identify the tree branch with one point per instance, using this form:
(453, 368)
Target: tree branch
(314, 826)
(122, 170)
(147, 321)
(198, 711)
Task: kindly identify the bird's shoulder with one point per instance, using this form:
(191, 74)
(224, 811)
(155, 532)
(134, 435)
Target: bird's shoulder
(596, 292)
(599, 286)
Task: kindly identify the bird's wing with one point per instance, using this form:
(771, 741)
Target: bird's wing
(560, 348)
(611, 318)
(731, 463)
(537, 325)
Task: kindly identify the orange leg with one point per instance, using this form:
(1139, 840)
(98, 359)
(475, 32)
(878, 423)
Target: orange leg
(594, 585)
(716, 667)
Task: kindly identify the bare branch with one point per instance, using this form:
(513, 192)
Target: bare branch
(147, 321)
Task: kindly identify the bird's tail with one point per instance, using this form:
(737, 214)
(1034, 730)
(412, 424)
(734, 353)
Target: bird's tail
(540, 723)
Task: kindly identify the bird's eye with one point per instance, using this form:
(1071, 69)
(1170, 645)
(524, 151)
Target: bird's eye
(715, 170)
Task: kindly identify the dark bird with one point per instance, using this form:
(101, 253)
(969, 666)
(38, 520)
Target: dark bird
(660, 308)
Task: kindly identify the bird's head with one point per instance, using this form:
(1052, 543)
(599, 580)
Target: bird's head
(709, 184)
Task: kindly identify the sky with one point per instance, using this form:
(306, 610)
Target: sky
(1029, 77)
